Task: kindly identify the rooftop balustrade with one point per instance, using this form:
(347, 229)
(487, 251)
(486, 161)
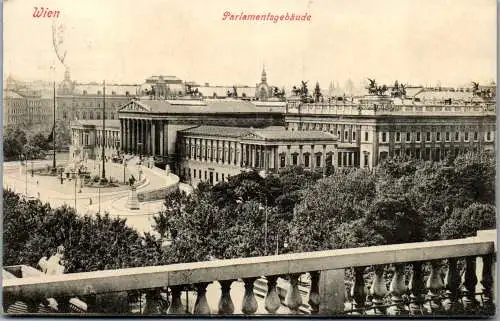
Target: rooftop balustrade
(454, 277)
(384, 108)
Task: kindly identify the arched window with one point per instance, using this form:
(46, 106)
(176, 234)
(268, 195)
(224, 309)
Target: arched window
(112, 115)
(98, 115)
(91, 115)
(84, 115)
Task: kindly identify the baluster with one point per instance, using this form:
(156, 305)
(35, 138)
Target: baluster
(226, 305)
(416, 287)
(397, 289)
(293, 300)
(434, 286)
(249, 305)
(378, 290)
(314, 298)
(487, 283)
(7, 302)
(358, 290)
(272, 302)
(201, 305)
(176, 302)
(469, 280)
(452, 286)
(32, 305)
(153, 302)
(63, 305)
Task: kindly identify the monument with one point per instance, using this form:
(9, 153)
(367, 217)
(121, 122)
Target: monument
(133, 201)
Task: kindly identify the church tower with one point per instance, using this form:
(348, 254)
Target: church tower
(262, 90)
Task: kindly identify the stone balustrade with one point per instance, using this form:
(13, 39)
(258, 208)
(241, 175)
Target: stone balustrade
(371, 109)
(429, 278)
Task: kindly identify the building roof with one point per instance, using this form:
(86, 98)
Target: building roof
(294, 135)
(273, 133)
(110, 123)
(166, 79)
(11, 94)
(199, 106)
(221, 91)
(117, 89)
(220, 131)
(433, 95)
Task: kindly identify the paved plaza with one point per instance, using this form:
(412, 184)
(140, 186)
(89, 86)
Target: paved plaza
(90, 200)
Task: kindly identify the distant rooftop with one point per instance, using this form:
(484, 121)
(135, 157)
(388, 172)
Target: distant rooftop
(200, 106)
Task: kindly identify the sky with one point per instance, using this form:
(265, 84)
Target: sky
(414, 41)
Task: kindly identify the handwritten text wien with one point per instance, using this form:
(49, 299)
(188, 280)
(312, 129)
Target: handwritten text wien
(45, 13)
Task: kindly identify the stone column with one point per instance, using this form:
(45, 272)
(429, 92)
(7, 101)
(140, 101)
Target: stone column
(254, 155)
(300, 162)
(266, 159)
(153, 137)
(313, 158)
(161, 138)
(122, 135)
(133, 137)
(276, 158)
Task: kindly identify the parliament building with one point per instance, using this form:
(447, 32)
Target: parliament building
(213, 139)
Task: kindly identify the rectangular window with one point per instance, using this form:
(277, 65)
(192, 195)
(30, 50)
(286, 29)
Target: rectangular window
(366, 136)
(282, 161)
(306, 160)
(294, 159)
(223, 177)
(488, 136)
(447, 136)
(408, 137)
(476, 136)
(417, 153)
(194, 173)
(353, 135)
(398, 136)
(438, 136)
(366, 160)
(199, 173)
(205, 174)
(457, 136)
(428, 137)
(346, 135)
(318, 160)
(216, 177)
(418, 137)
(338, 133)
(384, 137)
(466, 136)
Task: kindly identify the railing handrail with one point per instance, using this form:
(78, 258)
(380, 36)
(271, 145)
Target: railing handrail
(87, 283)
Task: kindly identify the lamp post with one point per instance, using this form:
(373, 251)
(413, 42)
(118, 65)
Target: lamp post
(99, 193)
(74, 176)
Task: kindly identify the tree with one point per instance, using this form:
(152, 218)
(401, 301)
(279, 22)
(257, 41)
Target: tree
(39, 140)
(33, 230)
(341, 198)
(14, 140)
(465, 222)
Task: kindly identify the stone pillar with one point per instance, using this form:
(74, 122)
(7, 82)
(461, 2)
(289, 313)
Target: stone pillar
(313, 158)
(129, 136)
(254, 155)
(161, 138)
(153, 138)
(133, 137)
(266, 159)
(323, 161)
(122, 135)
(276, 159)
(300, 162)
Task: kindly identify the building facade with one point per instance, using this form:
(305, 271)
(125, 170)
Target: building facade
(87, 139)
(27, 109)
(377, 127)
(214, 153)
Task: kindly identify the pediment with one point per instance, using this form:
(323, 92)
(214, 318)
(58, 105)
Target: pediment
(134, 107)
